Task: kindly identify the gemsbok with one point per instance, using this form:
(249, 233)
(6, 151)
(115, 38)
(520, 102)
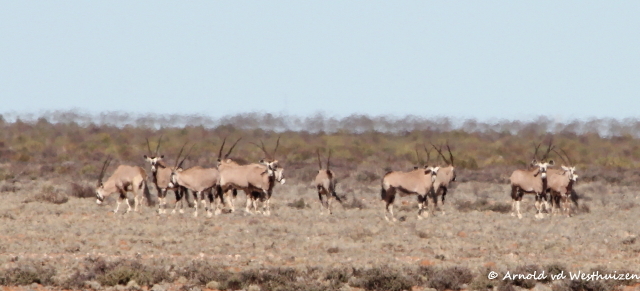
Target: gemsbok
(445, 176)
(560, 185)
(530, 182)
(326, 184)
(124, 178)
(200, 181)
(256, 180)
(161, 175)
(417, 182)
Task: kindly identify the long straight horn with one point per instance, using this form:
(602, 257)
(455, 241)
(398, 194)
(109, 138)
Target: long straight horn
(329, 160)
(179, 154)
(221, 147)
(261, 146)
(535, 154)
(561, 157)
(440, 153)
(104, 168)
(234, 145)
(428, 154)
(158, 146)
(276, 149)
(149, 146)
(418, 159)
(319, 162)
(186, 156)
(568, 159)
(450, 154)
(549, 148)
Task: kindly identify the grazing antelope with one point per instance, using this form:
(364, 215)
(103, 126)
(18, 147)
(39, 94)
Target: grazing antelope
(560, 185)
(326, 184)
(124, 178)
(200, 181)
(444, 177)
(417, 182)
(161, 175)
(530, 182)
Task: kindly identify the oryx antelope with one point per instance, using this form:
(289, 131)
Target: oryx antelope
(325, 182)
(124, 178)
(560, 185)
(200, 181)
(161, 175)
(256, 180)
(444, 177)
(417, 182)
(530, 182)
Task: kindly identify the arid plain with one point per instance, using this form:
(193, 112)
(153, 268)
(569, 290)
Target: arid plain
(476, 232)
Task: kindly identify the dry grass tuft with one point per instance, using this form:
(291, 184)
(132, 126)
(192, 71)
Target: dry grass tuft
(49, 194)
(298, 204)
(383, 279)
(450, 278)
(482, 205)
(82, 191)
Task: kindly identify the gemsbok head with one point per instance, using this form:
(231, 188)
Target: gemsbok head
(271, 162)
(161, 175)
(531, 182)
(325, 182)
(124, 178)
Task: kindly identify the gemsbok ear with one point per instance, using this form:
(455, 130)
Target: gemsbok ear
(162, 156)
(145, 157)
(551, 163)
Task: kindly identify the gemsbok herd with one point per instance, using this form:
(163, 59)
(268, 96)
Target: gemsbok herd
(215, 187)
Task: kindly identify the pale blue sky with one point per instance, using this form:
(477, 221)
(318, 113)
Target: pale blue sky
(480, 59)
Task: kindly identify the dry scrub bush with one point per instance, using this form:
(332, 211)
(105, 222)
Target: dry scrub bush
(82, 191)
(115, 273)
(298, 204)
(482, 205)
(381, 278)
(49, 194)
(27, 273)
(450, 278)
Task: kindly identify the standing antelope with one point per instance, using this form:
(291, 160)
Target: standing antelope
(560, 185)
(199, 180)
(124, 178)
(417, 182)
(161, 174)
(444, 177)
(530, 182)
(326, 184)
(256, 180)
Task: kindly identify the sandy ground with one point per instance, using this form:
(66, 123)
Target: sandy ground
(602, 233)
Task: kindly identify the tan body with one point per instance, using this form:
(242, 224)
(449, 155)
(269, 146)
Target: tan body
(560, 185)
(417, 182)
(200, 181)
(529, 182)
(444, 177)
(252, 178)
(125, 178)
(161, 175)
(325, 182)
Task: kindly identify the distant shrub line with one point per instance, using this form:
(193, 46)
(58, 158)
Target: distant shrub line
(73, 145)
